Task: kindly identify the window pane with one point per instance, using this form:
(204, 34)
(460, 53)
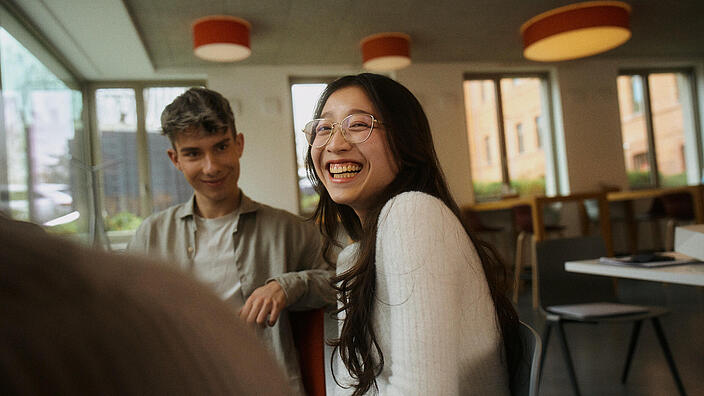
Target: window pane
(522, 104)
(305, 97)
(117, 127)
(483, 135)
(42, 175)
(668, 127)
(169, 187)
(633, 130)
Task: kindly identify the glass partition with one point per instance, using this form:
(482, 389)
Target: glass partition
(43, 175)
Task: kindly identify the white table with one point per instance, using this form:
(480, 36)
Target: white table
(687, 274)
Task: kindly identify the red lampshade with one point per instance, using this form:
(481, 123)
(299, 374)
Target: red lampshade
(386, 51)
(576, 31)
(221, 38)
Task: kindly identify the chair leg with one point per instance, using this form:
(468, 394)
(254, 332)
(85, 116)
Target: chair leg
(546, 337)
(568, 359)
(668, 355)
(631, 348)
(535, 290)
(518, 265)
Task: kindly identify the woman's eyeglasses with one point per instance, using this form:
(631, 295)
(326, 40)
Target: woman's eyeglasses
(355, 128)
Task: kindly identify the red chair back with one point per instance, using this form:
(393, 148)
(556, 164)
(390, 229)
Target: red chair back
(309, 337)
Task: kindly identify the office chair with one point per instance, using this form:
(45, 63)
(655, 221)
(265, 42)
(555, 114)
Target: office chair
(526, 380)
(564, 297)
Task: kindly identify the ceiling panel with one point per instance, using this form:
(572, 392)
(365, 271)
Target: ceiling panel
(328, 31)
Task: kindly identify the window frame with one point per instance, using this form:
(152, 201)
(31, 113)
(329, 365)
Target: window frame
(547, 106)
(646, 110)
(143, 166)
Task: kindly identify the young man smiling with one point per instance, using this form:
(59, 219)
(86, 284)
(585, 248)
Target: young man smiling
(258, 258)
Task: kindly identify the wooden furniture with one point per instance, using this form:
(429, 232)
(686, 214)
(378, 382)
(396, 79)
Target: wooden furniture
(523, 223)
(537, 204)
(627, 198)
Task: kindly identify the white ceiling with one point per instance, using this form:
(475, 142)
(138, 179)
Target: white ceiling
(145, 39)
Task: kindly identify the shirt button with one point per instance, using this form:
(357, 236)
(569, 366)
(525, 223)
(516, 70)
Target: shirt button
(189, 250)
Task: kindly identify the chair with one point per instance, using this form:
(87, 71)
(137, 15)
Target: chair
(679, 207)
(309, 337)
(523, 222)
(526, 381)
(561, 290)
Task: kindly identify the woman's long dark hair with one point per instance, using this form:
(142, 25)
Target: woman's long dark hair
(410, 141)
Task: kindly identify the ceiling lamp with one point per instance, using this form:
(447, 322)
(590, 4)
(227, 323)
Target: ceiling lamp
(576, 31)
(386, 51)
(221, 38)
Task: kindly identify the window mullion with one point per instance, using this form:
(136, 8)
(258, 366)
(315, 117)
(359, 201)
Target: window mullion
(97, 234)
(652, 157)
(696, 122)
(502, 134)
(145, 191)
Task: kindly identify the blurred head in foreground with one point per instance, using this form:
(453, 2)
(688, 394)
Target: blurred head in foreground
(80, 321)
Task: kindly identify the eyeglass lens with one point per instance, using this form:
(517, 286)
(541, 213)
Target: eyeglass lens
(355, 128)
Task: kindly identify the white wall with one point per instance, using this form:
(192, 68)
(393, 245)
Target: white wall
(585, 90)
(591, 124)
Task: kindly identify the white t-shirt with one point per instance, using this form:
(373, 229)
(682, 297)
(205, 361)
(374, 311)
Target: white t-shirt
(214, 259)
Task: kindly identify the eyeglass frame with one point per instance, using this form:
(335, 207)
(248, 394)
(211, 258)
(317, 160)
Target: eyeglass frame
(375, 122)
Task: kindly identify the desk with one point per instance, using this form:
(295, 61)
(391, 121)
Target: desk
(627, 198)
(688, 274)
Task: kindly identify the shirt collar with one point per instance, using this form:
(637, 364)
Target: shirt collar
(247, 205)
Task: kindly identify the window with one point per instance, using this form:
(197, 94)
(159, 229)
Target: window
(656, 109)
(136, 178)
(169, 187)
(510, 99)
(43, 172)
(519, 138)
(304, 97)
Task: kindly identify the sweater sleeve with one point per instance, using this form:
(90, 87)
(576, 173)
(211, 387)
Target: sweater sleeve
(424, 260)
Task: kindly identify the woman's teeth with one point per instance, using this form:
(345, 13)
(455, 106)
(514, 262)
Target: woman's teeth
(344, 171)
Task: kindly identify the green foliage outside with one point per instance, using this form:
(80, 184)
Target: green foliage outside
(493, 190)
(123, 221)
(642, 180)
(64, 229)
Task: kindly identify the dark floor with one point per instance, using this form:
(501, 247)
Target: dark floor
(599, 351)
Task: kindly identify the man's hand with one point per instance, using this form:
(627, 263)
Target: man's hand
(265, 301)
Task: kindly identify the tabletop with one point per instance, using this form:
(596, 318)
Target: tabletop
(685, 274)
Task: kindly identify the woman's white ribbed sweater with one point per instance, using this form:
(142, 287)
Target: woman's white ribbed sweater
(433, 315)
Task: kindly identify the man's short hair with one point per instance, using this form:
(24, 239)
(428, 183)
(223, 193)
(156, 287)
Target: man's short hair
(197, 108)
